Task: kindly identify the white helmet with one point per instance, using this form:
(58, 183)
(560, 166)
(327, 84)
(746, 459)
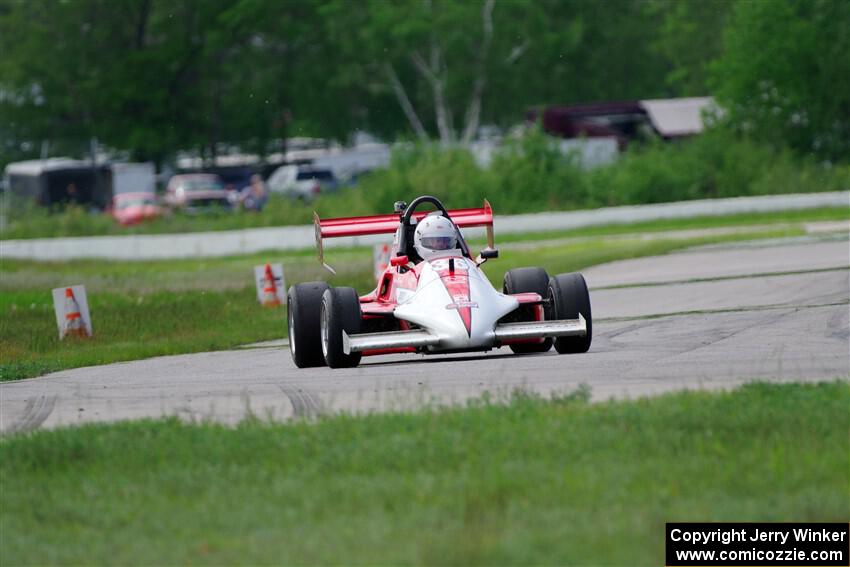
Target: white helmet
(434, 235)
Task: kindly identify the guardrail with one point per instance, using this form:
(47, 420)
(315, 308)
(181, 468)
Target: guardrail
(228, 243)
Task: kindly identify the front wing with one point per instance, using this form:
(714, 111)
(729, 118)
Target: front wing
(502, 333)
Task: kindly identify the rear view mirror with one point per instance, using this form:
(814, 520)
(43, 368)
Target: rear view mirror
(490, 253)
(399, 261)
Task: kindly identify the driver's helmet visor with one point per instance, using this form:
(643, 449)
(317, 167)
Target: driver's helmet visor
(439, 242)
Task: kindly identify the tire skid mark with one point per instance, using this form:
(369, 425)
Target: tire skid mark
(36, 412)
(629, 328)
(837, 326)
(721, 311)
(724, 335)
(316, 401)
(304, 403)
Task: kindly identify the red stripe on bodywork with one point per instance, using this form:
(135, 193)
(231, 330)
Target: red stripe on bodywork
(466, 315)
(457, 285)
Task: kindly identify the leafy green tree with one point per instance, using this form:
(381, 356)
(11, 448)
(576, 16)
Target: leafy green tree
(589, 51)
(430, 56)
(129, 73)
(282, 76)
(158, 76)
(785, 74)
(689, 38)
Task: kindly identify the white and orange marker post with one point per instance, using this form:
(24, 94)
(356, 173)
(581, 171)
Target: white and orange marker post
(72, 312)
(271, 285)
(381, 258)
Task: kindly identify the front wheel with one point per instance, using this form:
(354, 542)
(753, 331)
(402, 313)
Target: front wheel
(528, 280)
(568, 297)
(340, 312)
(303, 302)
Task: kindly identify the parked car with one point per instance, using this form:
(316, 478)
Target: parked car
(301, 181)
(196, 191)
(133, 208)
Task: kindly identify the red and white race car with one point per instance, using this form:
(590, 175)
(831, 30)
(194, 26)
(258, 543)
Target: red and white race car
(433, 297)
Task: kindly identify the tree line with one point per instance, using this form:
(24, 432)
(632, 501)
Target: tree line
(156, 76)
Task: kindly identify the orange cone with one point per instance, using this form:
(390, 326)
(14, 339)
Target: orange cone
(74, 324)
(270, 298)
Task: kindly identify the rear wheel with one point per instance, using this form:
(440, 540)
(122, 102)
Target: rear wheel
(528, 280)
(568, 297)
(340, 312)
(304, 302)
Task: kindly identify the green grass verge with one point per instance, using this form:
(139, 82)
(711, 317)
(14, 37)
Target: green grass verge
(145, 309)
(559, 257)
(130, 327)
(531, 482)
(693, 223)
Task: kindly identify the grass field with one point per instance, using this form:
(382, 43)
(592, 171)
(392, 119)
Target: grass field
(130, 326)
(145, 309)
(694, 223)
(531, 482)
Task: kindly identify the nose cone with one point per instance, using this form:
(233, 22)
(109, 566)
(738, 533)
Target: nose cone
(457, 303)
(431, 308)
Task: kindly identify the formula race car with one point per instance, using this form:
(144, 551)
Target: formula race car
(433, 296)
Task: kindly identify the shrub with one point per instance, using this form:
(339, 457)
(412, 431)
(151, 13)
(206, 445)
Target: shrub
(526, 175)
(532, 174)
(715, 164)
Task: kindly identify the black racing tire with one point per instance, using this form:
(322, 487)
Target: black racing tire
(340, 312)
(568, 297)
(304, 304)
(528, 280)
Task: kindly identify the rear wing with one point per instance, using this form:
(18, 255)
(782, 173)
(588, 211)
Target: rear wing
(388, 224)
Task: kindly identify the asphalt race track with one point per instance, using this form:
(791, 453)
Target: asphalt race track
(712, 317)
